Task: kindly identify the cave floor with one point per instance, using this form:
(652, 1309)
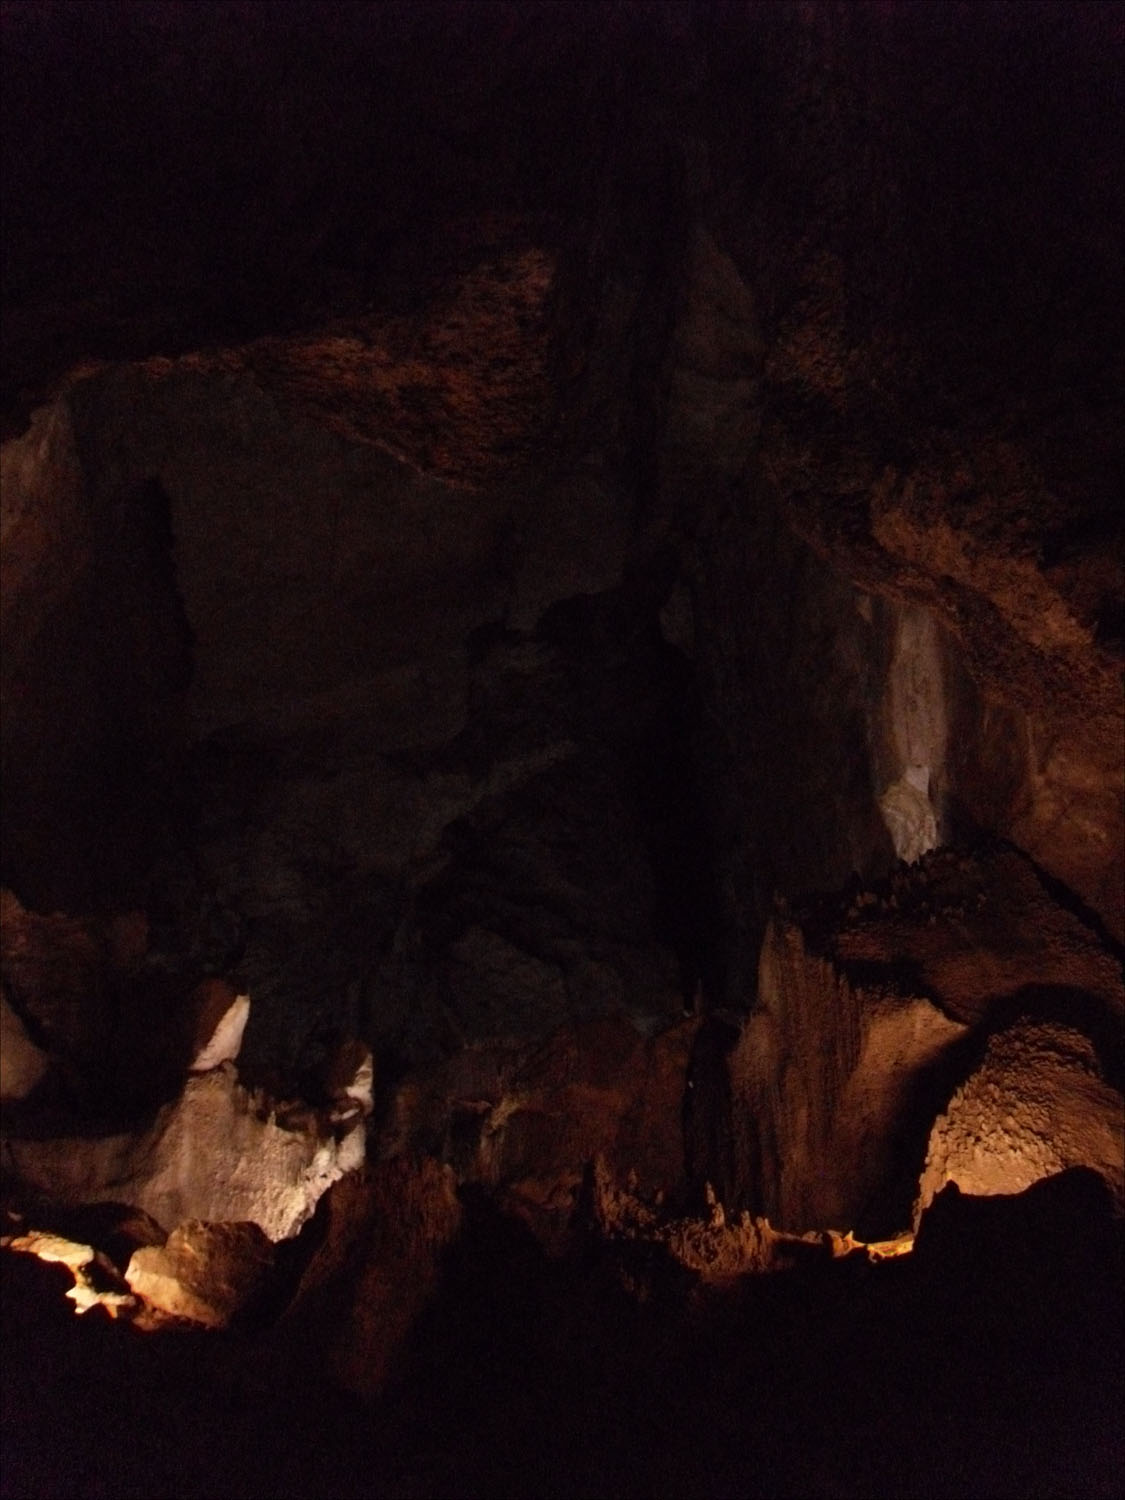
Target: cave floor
(984, 1373)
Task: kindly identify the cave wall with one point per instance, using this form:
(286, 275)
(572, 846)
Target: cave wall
(547, 483)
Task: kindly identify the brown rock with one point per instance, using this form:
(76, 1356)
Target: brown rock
(22, 1064)
(205, 1273)
(415, 1216)
(1036, 1105)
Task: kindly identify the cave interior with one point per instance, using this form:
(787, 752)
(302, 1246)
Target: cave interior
(563, 749)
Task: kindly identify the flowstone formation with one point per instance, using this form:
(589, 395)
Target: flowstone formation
(562, 737)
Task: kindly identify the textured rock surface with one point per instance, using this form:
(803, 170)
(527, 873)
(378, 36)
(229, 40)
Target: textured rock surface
(206, 1273)
(524, 1121)
(1036, 1105)
(215, 1154)
(493, 496)
(414, 1215)
(861, 1031)
(96, 1284)
(22, 1063)
(826, 1080)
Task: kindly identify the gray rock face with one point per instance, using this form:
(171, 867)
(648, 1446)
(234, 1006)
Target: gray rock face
(217, 1154)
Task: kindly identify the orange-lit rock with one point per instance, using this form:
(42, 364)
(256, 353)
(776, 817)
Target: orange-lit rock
(96, 1282)
(865, 1007)
(205, 1273)
(1036, 1105)
(825, 1081)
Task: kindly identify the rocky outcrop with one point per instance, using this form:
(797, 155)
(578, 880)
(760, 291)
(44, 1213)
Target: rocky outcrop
(412, 1214)
(524, 1121)
(863, 1027)
(1037, 1104)
(205, 1273)
(707, 1245)
(218, 1153)
(22, 1063)
(500, 503)
(97, 1283)
(117, 1025)
(827, 1080)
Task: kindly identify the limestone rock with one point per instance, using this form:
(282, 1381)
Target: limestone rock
(116, 1230)
(823, 1080)
(216, 1154)
(55, 969)
(525, 1120)
(205, 1273)
(96, 1281)
(973, 929)
(1036, 1105)
(349, 1083)
(909, 814)
(222, 1038)
(709, 1245)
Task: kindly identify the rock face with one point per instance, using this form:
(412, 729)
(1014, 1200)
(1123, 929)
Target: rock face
(205, 1273)
(574, 551)
(415, 1215)
(217, 1153)
(822, 1124)
(1036, 1105)
(863, 1027)
(524, 1121)
(22, 1063)
(224, 1034)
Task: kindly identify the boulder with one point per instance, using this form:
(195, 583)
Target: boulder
(205, 1273)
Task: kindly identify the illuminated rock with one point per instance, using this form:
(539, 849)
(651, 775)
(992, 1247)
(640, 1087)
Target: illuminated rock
(1036, 1105)
(865, 1002)
(909, 814)
(96, 1284)
(205, 1273)
(217, 1153)
(824, 1079)
(915, 727)
(225, 1039)
(349, 1083)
